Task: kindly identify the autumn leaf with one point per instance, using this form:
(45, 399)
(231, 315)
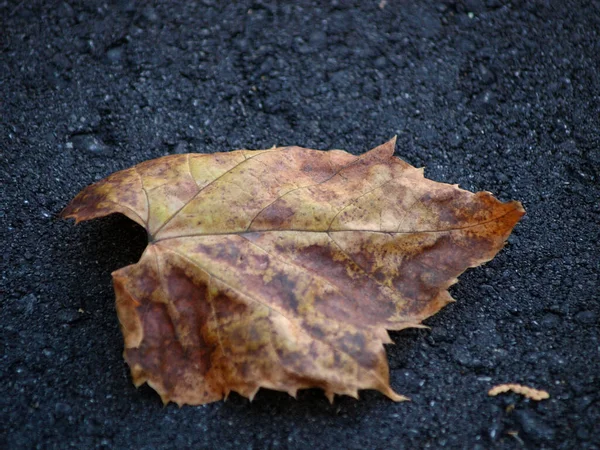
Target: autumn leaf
(284, 268)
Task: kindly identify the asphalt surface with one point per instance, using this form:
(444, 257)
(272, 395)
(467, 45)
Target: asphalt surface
(495, 96)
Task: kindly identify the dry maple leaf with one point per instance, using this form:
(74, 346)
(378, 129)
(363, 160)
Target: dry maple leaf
(284, 268)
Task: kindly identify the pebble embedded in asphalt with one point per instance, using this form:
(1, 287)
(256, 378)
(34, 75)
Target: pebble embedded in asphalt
(91, 144)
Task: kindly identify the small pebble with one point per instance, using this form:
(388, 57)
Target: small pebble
(318, 40)
(150, 14)
(533, 426)
(91, 144)
(495, 430)
(486, 75)
(380, 62)
(28, 303)
(68, 316)
(115, 55)
(586, 317)
(62, 409)
(181, 147)
(464, 358)
(550, 320)
(485, 102)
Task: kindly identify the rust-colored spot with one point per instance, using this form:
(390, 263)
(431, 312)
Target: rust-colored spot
(273, 217)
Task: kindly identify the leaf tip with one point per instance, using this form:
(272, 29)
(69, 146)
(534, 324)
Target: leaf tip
(383, 151)
(252, 394)
(137, 373)
(519, 208)
(164, 396)
(389, 393)
(69, 212)
(392, 141)
(330, 396)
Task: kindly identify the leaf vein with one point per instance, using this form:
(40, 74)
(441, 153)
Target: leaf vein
(392, 233)
(302, 187)
(202, 190)
(135, 169)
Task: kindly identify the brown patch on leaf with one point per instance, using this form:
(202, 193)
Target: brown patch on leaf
(284, 268)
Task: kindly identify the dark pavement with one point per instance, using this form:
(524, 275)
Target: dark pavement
(496, 96)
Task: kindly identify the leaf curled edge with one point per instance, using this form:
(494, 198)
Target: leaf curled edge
(284, 268)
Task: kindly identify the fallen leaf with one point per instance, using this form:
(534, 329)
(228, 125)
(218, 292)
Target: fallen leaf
(284, 268)
(531, 393)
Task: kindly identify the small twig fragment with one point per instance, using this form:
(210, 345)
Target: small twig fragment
(531, 393)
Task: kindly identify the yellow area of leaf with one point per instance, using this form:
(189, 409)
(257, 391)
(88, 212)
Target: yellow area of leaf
(531, 393)
(284, 268)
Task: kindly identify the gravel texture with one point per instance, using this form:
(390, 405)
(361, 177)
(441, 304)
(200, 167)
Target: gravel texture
(497, 96)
